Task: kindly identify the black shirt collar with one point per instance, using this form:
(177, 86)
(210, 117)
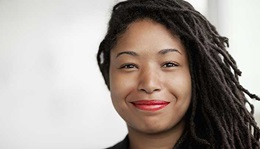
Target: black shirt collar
(124, 144)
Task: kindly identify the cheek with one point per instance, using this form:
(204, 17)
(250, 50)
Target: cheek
(180, 85)
(184, 84)
(120, 86)
(180, 88)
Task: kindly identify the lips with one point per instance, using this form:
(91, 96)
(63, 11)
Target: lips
(150, 105)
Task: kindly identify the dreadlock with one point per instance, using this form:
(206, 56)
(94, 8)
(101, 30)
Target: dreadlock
(217, 116)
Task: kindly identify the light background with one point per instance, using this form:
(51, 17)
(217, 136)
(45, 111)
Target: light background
(52, 95)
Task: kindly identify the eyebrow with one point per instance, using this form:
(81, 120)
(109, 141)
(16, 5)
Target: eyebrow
(132, 53)
(164, 51)
(127, 52)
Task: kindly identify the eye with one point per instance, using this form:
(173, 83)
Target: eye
(128, 66)
(169, 64)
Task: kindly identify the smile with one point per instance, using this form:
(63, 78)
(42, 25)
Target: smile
(150, 105)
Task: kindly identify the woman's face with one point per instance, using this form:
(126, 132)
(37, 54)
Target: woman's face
(150, 81)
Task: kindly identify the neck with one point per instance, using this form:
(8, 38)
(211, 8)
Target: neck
(160, 140)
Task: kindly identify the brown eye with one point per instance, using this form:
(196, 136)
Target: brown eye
(128, 66)
(169, 64)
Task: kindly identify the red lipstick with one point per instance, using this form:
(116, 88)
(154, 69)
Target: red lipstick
(150, 105)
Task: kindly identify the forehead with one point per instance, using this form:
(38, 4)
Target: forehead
(146, 34)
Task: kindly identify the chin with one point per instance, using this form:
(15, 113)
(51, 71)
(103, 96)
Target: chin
(152, 128)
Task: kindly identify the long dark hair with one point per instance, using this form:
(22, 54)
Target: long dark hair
(217, 117)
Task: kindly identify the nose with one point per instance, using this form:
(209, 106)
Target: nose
(149, 81)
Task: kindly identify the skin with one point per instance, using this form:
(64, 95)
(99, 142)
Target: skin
(142, 68)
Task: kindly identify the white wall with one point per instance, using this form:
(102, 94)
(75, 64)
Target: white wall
(239, 21)
(52, 95)
(243, 29)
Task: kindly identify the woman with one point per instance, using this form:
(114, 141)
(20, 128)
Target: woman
(172, 80)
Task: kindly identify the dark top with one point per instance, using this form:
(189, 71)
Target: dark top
(182, 143)
(121, 145)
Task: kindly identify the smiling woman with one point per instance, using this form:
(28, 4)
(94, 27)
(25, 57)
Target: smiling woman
(172, 80)
(150, 81)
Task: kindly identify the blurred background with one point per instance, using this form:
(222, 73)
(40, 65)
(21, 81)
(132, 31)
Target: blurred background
(52, 95)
